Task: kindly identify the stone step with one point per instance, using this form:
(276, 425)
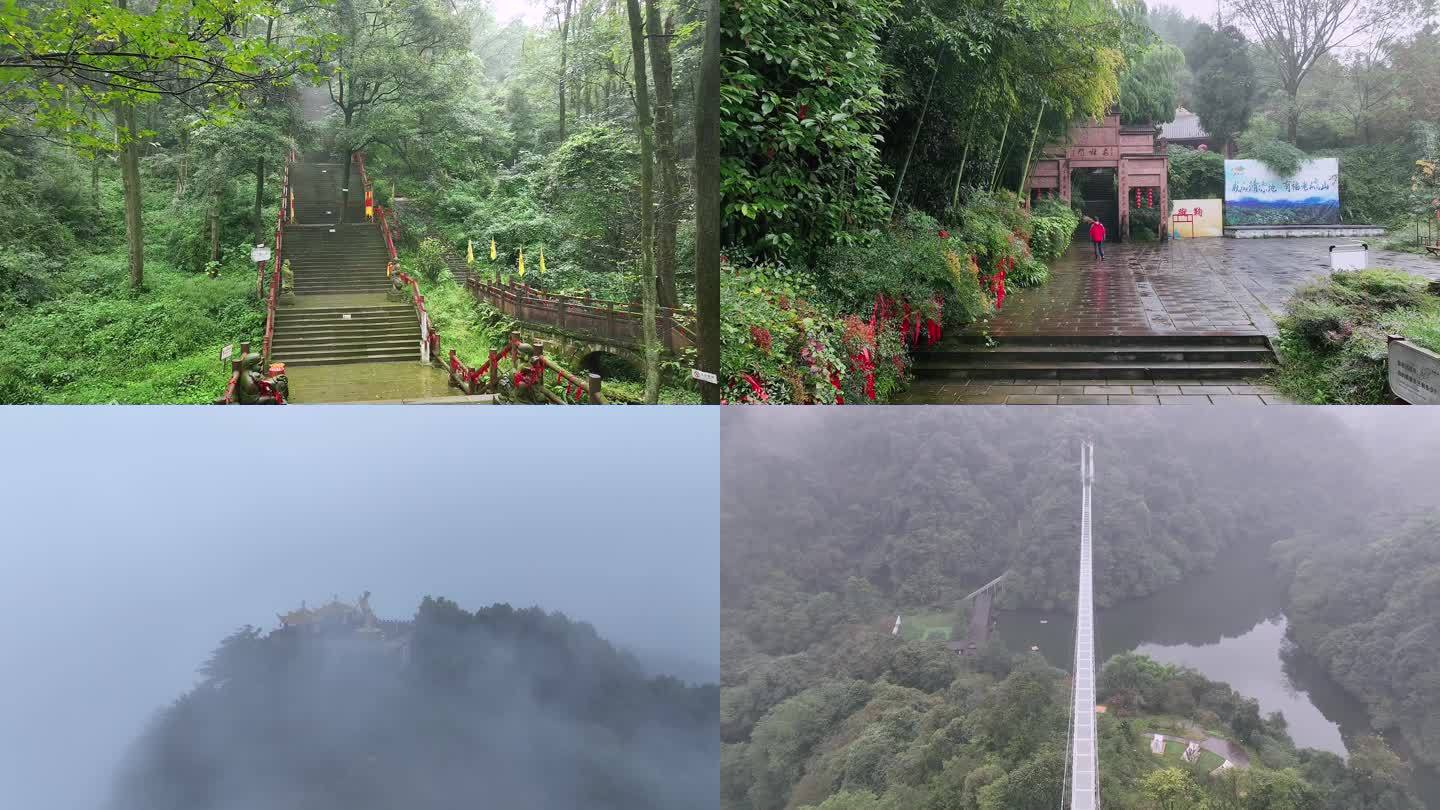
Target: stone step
(377, 328)
(411, 355)
(1090, 369)
(336, 315)
(315, 348)
(1099, 353)
(1186, 339)
(341, 289)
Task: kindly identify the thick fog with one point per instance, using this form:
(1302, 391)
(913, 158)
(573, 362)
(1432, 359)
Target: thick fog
(137, 539)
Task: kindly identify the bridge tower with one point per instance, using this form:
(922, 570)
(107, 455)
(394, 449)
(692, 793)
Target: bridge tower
(1084, 758)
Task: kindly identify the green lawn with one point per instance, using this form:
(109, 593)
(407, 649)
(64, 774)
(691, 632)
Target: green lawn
(927, 626)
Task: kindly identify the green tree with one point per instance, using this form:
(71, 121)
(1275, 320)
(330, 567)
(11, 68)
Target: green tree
(1280, 790)
(644, 125)
(68, 65)
(1150, 87)
(1224, 86)
(1172, 789)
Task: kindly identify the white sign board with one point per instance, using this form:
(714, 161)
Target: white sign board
(1414, 373)
(260, 253)
(226, 352)
(704, 376)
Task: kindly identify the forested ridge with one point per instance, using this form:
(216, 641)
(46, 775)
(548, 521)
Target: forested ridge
(927, 509)
(516, 708)
(1370, 612)
(831, 525)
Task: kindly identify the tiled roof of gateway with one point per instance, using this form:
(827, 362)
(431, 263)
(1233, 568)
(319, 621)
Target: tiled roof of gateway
(1186, 126)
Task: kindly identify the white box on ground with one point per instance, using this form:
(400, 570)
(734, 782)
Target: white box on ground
(1352, 256)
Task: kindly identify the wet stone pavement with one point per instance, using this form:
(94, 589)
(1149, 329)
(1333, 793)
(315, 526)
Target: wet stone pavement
(1186, 286)
(1183, 287)
(1091, 392)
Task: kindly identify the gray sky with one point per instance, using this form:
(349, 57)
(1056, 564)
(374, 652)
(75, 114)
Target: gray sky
(137, 538)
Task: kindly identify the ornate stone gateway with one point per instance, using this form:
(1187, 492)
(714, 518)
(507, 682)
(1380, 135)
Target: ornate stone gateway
(1139, 164)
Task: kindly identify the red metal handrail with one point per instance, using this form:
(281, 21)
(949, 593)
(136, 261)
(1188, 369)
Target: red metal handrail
(285, 214)
(277, 260)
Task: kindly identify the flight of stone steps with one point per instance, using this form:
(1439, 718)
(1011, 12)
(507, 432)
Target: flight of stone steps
(346, 334)
(340, 314)
(1156, 358)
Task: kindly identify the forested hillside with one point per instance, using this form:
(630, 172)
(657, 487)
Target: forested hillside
(514, 708)
(137, 183)
(831, 525)
(1368, 607)
(924, 510)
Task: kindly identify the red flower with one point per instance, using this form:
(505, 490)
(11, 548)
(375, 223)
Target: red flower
(756, 387)
(761, 336)
(944, 234)
(804, 110)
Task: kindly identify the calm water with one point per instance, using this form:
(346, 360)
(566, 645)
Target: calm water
(1229, 625)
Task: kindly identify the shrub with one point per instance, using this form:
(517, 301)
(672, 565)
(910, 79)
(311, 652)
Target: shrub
(1144, 224)
(1028, 272)
(1053, 225)
(1195, 175)
(779, 344)
(430, 260)
(1332, 342)
(1281, 157)
(1377, 289)
(905, 264)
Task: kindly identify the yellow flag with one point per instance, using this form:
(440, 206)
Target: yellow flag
(522, 262)
(469, 252)
(542, 260)
(492, 250)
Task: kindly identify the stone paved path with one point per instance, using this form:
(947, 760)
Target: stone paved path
(1189, 286)
(1090, 392)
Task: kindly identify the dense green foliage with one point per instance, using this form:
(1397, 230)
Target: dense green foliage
(802, 140)
(1149, 88)
(927, 511)
(524, 707)
(1196, 175)
(71, 328)
(522, 134)
(842, 330)
(1370, 611)
(1224, 81)
(1334, 332)
(832, 524)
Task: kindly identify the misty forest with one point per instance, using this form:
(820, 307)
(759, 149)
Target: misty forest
(833, 527)
(144, 144)
(337, 710)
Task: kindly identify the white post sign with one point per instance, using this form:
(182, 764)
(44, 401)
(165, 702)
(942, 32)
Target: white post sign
(226, 352)
(1414, 373)
(260, 253)
(704, 376)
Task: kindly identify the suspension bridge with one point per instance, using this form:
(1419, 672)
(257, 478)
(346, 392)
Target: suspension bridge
(1082, 764)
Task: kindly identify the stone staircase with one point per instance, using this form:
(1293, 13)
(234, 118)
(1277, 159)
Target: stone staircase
(1155, 358)
(316, 182)
(346, 334)
(340, 314)
(337, 259)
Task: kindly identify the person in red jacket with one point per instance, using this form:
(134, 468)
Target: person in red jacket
(1097, 237)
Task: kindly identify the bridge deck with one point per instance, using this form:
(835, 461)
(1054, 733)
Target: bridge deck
(1084, 760)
